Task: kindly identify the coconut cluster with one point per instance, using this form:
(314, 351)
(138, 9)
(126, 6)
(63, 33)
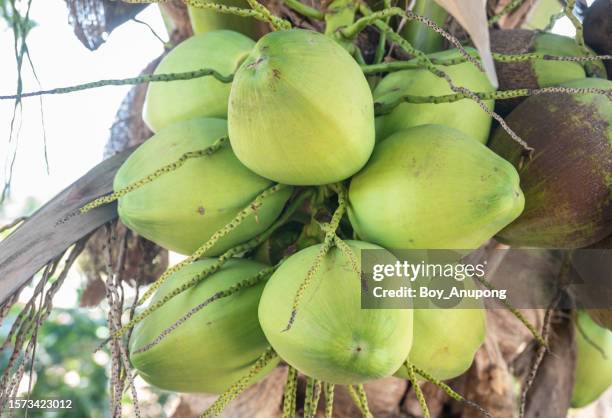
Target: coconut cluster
(287, 174)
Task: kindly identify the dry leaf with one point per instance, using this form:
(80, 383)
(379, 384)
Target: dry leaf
(472, 15)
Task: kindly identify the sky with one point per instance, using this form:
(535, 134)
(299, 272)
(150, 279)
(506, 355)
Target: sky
(76, 124)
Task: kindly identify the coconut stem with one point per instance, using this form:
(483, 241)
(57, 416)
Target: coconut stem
(427, 64)
(289, 396)
(276, 22)
(417, 389)
(384, 108)
(382, 40)
(350, 32)
(168, 168)
(311, 397)
(539, 338)
(304, 9)
(508, 8)
(237, 388)
(387, 67)
(450, 392)
(360, 398)
(147, 78)
(250, 282)
(328, 242)
(329, 399)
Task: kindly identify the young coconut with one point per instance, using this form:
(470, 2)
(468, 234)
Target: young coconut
(593, 361)
(183, 208)
(567, 182)
(445, 341)
(464, 115)
(207, 20)
(213, 348)
(535, 73)
(432, 186)
(301, 110)
(175, 101)
(332, 338)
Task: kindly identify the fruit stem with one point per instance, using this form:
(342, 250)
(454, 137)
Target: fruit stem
(450, 392)
(381, 108)
(339, 14)
(386, 67)
(328, 243)
(311, 397)
(361, 400)
(417, 389)
(276, 22)
(329, 399)
(304, 9)
(147, 78)
(289, 396)
(508, 8)
(350, 32)
(237, 388)
(382, 40)
(539, 338)
(424, 60)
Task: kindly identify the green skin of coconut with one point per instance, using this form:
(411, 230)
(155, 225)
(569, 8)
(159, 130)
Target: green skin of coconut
(204, 20)
(433, 187)
(552, 73)
(593, 370)
(567, 183)
(445, 341)
(175, 101)
(464, 115)
(216, 346)
(301, 110)
(182, 209)
(332, 338)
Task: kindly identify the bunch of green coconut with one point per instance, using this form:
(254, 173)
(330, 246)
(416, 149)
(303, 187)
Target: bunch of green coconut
(274, 171)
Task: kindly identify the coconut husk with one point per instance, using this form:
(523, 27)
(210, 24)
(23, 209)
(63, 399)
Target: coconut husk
(598, 30)
(513, 75)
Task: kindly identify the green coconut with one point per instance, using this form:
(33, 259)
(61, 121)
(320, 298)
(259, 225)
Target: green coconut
(207, 20)
(432, 186)
(536, 73)
(174, 101)
(567, 182)
(593, 361)
(464, 115)
(332, 338)
(216, 346)
(301, 110)
(182, 209)
(445, 341)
